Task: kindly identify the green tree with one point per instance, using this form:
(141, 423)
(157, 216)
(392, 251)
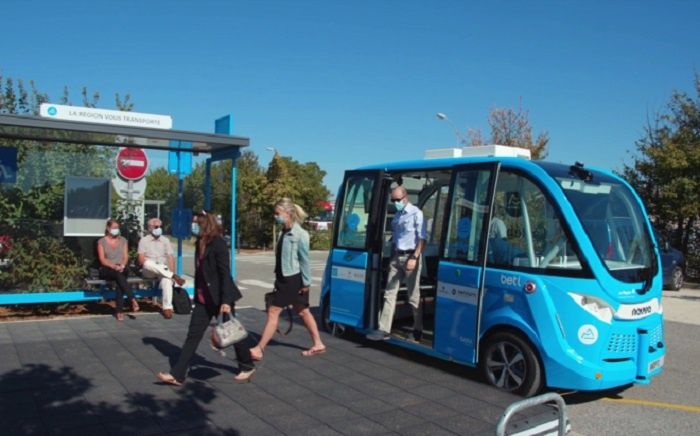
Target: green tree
(666, 171)
(32, 208)
(511, 127)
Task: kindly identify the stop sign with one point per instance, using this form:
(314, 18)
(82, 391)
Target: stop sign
(132, 163)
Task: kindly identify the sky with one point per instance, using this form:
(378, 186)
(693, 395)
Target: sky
(352, 83)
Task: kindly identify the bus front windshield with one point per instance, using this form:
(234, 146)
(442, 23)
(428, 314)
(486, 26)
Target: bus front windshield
(613, 220)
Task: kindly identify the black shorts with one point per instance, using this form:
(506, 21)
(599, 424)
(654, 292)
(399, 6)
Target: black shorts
(288, 292)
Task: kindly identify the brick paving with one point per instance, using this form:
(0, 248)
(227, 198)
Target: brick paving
(95, 376)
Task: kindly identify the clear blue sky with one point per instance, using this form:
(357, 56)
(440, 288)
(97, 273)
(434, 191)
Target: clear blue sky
(349, 83)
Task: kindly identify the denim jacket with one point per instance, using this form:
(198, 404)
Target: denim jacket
(295, 254)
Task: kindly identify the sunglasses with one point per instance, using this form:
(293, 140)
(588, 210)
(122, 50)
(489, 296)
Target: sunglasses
(398, 199)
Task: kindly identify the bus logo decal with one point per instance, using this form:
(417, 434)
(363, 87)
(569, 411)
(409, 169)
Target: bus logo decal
(588, 334)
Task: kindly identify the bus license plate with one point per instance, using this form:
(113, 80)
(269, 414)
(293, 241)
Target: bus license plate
(655, 364)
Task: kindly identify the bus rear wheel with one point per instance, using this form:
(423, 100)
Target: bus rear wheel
(337, 330)
(509, 363)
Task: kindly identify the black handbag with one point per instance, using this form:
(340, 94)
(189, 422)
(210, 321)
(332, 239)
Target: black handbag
(182, 305)
(288, 313)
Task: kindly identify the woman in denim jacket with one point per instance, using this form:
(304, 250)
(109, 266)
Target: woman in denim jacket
(292, 277)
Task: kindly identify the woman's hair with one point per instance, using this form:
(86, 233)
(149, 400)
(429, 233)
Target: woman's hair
(294, 210)
(209, 227)
(109, 224)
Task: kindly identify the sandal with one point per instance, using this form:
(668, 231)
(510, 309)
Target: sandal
(255, 357)
(135, 306)
(313, 352)
(119, 316)
(168, 379)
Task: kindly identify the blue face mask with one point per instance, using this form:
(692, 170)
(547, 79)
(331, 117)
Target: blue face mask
(279, 219)
(195, 229)
(399, 205)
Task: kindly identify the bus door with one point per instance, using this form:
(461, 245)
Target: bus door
(463, 260)
(354, 257)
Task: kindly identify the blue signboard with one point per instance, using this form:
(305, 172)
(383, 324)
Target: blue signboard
(181, 225)
(224, 125)
(8, 165)
(185, 162)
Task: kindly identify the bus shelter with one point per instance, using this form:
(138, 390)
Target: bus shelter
(52, 177)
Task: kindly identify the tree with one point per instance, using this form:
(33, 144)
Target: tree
(666, 171)
(510, 127)
(31, 210)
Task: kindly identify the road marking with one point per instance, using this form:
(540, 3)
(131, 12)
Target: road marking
(683, 407)
(260, 283)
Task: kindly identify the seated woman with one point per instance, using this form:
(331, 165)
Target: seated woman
(112, 251)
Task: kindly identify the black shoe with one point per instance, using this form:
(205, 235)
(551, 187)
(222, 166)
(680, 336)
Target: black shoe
(417, 335)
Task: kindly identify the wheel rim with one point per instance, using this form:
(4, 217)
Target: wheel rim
(506, 366)
(677, 279)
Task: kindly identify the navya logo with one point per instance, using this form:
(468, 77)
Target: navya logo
(588, 334)
(52, 111)
(641, 311)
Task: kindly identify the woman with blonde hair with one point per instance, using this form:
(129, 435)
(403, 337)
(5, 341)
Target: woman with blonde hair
(292, 278)
(215, 293)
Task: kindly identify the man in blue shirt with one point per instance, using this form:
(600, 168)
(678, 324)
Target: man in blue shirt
(408, 230)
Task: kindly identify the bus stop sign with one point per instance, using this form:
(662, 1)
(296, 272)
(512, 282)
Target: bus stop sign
(132, 163)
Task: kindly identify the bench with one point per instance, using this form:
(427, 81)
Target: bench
(100, 285)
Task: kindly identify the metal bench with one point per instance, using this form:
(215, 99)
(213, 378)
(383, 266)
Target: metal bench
(99, 285)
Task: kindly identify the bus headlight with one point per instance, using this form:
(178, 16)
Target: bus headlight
(595, 306)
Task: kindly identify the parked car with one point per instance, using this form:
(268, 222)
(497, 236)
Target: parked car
(672, 263)
(322, 221)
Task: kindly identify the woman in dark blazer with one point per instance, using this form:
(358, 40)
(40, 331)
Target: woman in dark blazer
(215, 293)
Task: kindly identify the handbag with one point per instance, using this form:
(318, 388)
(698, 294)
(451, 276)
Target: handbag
(288, 313)
(226, 333)
(182, 305)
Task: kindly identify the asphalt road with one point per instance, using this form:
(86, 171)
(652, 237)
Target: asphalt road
(669, 405)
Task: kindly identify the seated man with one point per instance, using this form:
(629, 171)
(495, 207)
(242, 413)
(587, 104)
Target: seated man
(155, 255)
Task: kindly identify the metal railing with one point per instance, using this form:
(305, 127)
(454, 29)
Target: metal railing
(531, 402)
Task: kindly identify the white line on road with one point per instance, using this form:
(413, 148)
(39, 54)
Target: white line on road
(260, 283)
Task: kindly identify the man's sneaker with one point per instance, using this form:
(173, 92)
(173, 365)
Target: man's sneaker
(378, 335)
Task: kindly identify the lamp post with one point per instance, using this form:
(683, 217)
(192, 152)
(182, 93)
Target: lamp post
(274, 152)
(442, 117)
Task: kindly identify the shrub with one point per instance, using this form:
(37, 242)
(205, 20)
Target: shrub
(42, 264)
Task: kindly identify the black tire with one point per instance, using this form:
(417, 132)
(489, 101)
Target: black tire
(508, 362)
(677, 279)
(337, 330)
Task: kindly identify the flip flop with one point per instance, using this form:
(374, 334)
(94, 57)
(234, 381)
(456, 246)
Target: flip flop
(313, 352)
(168, 379)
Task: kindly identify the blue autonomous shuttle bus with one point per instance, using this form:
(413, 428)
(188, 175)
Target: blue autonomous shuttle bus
(541, 274)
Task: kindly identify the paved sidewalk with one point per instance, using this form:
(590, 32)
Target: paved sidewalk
(95, 376)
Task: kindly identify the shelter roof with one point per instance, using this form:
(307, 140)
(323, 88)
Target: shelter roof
(47, 129)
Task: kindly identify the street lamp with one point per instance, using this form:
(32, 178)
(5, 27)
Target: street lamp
(460, 139)
(272, 149)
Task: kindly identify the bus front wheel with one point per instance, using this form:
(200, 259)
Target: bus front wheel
(510, 363)
(329, 326)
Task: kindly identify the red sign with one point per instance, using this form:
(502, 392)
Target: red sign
(132, 163)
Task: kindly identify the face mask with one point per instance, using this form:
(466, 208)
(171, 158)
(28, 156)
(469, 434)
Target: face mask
(114, 232)
(279, 219)
(399, 205)
(195, 229)
(157, 232)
